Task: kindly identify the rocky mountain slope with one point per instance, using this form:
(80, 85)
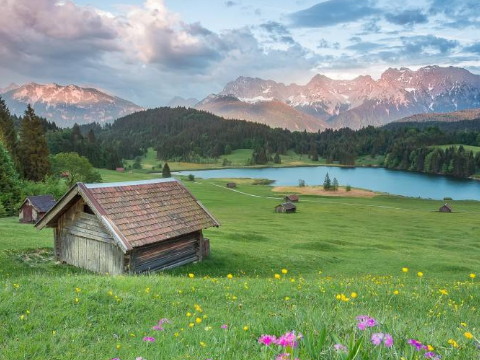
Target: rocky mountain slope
(66, 105)
(359, 102)
(272, 113)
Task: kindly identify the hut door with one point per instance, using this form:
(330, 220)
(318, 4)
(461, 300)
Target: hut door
(27, 214)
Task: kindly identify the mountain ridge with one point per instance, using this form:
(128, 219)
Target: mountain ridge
(67, 104)
(363, 100)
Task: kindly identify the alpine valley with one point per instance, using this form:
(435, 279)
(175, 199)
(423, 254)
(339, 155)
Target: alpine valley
(353, 103)
(66, 105)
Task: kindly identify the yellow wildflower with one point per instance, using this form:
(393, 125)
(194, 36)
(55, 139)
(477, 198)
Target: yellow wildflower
(472, 276)
(420, 274)
(191, 276)
(277, 276)
(245, 328)
(405, 269)
(396, 292)
(430, 348)
(284, 271)
(354, 295)
(198, 320)
(230, 276)
(443, 291)
(453, 343)
(202, 344)
(468, 335)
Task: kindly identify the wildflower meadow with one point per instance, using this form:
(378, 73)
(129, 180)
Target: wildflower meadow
(379, 278)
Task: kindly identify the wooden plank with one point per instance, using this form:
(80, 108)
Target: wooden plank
(89, 235)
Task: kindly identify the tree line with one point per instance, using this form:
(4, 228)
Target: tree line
(27, 166)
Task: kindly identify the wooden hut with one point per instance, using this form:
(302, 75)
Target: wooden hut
(231, 185)
(287, 207)
(445, 208)
(291, 198)
(35, 207)
(129, 227)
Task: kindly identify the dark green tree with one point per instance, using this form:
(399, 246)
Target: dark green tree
(277, 159)
(32, 150)
(166, 171)
(8, 135)
(335, 184)
(9, 183)
(137, 163)
(327, 183)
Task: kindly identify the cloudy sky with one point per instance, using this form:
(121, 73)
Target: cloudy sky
(149, 51)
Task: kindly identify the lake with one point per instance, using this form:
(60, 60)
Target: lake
(376, 179)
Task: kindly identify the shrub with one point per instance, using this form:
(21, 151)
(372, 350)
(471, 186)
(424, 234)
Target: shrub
(301, 183)
(348, 188)
(191, 177)
(262, 182)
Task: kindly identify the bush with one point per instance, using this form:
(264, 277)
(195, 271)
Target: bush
(447, 198)
(262, 182)
(348, 188)
(191, 177)
(301, 183)
(51, 185)
(3, 212)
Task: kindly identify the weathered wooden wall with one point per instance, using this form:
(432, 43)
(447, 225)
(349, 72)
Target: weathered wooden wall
(168, 254)
(81, 240)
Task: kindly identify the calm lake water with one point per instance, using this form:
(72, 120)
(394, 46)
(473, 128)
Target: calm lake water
(376, 179)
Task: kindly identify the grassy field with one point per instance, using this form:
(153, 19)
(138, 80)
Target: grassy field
(238, 158)
(341, 258)
(475, 149)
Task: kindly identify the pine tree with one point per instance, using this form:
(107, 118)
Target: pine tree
(277, 159)
(8, 135)
(327, 183)
(32, 150)
(166, 171)
(335, 184)
(9, 182)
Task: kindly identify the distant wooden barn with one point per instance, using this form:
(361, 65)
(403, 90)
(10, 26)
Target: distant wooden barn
(287, 207)
(445, 208)
(291, 198)
(231, 185)
(35, 207)
(129, 227)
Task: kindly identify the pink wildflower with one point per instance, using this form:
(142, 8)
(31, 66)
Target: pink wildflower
(340, 347)
(365, 321)
(388, 340)
(284, 356)
(163, 321)
(288, 339)
(432, 355)
(149, 339)
(377, 338)
(267, 340)
(158, 327)
(417, 344)
(224, 326)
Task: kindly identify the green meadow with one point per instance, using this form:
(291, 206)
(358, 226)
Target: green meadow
(312, 272)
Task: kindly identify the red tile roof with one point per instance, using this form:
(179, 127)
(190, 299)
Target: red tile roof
(140, 212)
(150, 211)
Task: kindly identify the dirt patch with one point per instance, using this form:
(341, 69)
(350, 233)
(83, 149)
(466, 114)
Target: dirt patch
(318, 190)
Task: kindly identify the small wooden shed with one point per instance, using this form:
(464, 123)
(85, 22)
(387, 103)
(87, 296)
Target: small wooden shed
(291, 198)
(231, 185)
(129, 227)
(35, 207)
(445, 208)
(287, 207)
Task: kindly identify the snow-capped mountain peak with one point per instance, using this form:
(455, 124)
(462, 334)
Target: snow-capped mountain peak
(68, 104)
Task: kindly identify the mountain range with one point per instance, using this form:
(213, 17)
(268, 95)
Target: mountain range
(353, 103)
(66, 105)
